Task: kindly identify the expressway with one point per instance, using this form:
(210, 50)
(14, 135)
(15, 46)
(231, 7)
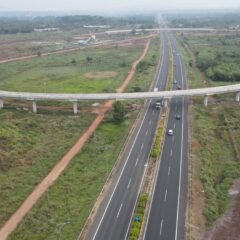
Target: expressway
(115, 213)
(167, 209)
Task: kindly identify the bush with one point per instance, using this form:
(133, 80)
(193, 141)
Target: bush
(118, 111)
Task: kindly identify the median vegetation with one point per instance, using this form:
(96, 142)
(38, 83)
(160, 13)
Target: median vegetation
(170, 68)
(159, 136)
(138, 217)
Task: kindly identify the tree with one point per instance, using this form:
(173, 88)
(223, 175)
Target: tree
(89, 59)
(73, 61)
(39, 54)
(118, 111)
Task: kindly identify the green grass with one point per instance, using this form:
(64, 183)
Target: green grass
(142, 80)
(30, 145)
(57, 73)
(136, 226)
(62, 211)
(211, 133)
(219, 167)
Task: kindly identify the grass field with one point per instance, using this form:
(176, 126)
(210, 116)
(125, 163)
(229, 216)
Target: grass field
(30, 145)
(61, 212)
(215, 138)
(65, 73)
(213, 131)
(33, 143)
(143, 79)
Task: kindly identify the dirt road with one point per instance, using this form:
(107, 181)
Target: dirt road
(43, 186)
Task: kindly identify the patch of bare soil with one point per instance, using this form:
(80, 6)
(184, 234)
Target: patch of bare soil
(228, 226)
(101, 75)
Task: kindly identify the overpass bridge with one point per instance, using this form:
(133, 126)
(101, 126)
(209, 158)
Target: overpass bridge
(75, 98)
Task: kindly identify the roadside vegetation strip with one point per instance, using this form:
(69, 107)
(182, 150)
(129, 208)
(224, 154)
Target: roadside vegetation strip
(146, 70)
(215, 142)
(43, 186)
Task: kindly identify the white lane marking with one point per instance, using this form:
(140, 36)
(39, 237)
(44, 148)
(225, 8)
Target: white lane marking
(136, 163)
(174, 125)
(150, 122)
(154, 187)
(181, 160)
(165, 198)
(171, 153)
(142, 146)
(169, 170)
(161, 227)
(129, 183)
(153, 112)
(119, 211)
(124, 166)
(146, 132)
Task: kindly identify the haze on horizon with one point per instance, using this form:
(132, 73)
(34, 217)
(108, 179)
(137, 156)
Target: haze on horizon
(115, 5)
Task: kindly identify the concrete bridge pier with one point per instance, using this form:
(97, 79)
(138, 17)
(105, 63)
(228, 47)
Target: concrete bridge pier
(75, 107)
(238, 97)
(34, 106)
(1, 103)
(205, 101)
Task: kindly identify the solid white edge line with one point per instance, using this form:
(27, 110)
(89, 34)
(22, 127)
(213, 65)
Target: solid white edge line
(109, 201)
(152, 195)
(180, 169)
(148, 156)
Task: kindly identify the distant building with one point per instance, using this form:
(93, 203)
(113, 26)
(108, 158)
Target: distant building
(91, 39)
(46, 29)
(96, 26)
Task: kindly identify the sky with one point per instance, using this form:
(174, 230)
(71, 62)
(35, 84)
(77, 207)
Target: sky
(114, 5)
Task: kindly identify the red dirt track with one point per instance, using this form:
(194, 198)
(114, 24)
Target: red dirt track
(43, 186)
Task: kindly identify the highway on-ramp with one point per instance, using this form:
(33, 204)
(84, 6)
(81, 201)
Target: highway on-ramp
(167, 210)
(115, 213)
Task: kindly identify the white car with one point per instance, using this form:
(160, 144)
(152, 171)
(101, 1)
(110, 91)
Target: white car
(170, 132)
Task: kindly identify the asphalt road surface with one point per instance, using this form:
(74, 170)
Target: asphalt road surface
(115, 213)
(167, 212)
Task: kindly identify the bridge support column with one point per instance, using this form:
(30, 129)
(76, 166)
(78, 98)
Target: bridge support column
(34, 106)
(205, 101)
(75, 108)
(238, 97)
(1, 103)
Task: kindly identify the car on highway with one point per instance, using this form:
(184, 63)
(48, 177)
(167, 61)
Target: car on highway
(179, 87)
(175, 81)
(170, 132)
(178, 116)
